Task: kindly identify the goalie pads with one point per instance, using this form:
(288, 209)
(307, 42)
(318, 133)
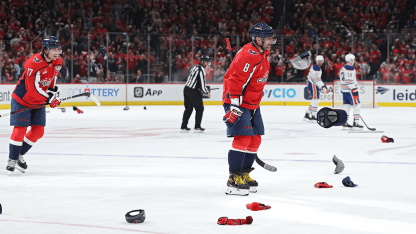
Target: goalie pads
(302, 61)
(327, 117)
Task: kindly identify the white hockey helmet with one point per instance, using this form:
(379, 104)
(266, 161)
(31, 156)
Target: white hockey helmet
(350, 58)
(319, 58)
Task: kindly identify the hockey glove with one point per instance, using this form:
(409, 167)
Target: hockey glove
(227, 221)
(355, 96)
(232, 115)
(255, 206)
(322, 185)
(53, 99)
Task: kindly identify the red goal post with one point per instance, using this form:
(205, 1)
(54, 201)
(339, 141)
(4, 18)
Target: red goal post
(367, 94)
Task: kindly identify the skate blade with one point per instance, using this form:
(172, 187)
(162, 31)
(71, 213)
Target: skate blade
(184, 131)
(237, 192)
(21, 169)
(347, 129)
(198, 131)
(366, 132)
(253, 189)
(306, 120)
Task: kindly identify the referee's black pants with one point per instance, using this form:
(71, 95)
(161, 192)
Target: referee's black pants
(193, 99)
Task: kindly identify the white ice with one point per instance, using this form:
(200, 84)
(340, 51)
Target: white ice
(91, 169)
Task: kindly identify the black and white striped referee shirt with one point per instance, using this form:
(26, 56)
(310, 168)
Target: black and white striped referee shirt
(196, 79)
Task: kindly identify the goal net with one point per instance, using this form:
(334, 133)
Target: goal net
(366, 89)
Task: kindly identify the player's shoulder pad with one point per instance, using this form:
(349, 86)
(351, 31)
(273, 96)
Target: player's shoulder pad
(349, 68)
(316, 67)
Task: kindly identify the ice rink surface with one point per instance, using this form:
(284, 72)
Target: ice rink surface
(91, 169)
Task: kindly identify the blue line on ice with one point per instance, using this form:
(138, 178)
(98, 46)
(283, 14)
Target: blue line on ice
(181, 157)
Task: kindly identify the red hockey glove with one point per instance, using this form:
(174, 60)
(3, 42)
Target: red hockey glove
(255, 206)
(323, 185)
(55, 103)
(227, 221)
(79, 111)
(386, 139)
(355, 96)
(232, 115)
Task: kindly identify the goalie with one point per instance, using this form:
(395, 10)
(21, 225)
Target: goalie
(315, 85)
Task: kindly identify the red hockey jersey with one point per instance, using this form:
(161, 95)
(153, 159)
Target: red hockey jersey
(37, 77)
(247, 76)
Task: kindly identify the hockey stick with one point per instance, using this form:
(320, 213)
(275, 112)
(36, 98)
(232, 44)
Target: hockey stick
(86, 94)
(265, 165)
(371, 129)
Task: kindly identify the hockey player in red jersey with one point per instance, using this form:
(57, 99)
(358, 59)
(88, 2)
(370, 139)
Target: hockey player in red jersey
(243, 90)
(36, 87)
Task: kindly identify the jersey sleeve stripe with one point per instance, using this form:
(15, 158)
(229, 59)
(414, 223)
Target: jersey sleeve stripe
(37, 85)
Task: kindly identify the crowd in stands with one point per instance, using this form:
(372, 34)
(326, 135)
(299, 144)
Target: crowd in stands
(375, 31)
(148, 40)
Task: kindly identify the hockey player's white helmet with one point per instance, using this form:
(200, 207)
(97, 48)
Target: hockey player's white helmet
(319, 58)
(350, 58)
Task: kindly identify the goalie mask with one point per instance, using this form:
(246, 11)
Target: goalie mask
(327, 117)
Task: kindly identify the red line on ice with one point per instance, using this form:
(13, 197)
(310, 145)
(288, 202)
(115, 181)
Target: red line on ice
(79, 225)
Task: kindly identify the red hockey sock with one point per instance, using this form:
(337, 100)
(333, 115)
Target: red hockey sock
(35, 133)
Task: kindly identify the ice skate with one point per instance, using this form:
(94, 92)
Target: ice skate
(250, 181)
(185, 130)
(313, 119)
(306, 118)
(346, 127)
(11, 164)
(199, 130)
(21, 164)
(236, 185)
(357, 127)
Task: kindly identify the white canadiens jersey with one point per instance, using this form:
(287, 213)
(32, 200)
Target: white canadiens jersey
(314, 76)
(348, 79)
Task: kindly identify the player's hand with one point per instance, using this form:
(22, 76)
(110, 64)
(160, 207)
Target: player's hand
(209, 95)
(55, 102)
(232, 115)
(325, 90)
(355, 96)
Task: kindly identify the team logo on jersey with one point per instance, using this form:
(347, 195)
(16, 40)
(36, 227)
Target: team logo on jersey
(264, 79)
(45, 83)
(381, 90)
(44, 72)
(57, 68)
(252, 52)
(36, 60)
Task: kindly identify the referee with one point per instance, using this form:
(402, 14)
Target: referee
(194, 88)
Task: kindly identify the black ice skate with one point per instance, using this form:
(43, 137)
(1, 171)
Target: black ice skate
(313, 119)
(250, 181)
(21, 164)
(307, 118)
(11, 164)
(346, 127)
(199, 130)
(357, 127)
(236, 185)
(185, 130)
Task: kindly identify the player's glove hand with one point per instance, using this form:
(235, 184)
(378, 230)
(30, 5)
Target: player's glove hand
(355, 96)
(53, 99)
(232, 115)
(255, 206)
(325, 90)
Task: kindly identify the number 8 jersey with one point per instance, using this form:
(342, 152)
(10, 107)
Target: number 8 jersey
(247, 76)
(348, 79)
(36, 79)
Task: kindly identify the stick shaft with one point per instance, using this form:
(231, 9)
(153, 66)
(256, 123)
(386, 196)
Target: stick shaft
(372, 129)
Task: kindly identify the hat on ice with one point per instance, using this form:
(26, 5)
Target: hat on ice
(328, 117)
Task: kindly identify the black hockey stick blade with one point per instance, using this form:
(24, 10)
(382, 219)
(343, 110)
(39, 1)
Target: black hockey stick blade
(371, 129)
(265, 165)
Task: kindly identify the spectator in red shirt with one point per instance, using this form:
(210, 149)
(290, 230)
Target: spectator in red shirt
(337, 68)
(406, 73)
(77, 79)
(385, 71)
(290, 49)
(375, 56)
